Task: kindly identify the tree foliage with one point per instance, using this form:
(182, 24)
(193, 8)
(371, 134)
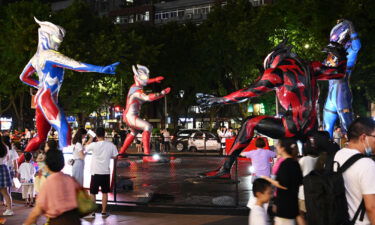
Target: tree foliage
(223, 54)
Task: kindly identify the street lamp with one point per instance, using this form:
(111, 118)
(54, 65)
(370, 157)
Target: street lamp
(307, 46)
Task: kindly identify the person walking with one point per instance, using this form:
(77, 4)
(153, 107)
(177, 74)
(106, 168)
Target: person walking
(359, 179)
(5, 179)
(78, 155)
(57, 199)
(27, 173)
(102, 152)
(260, 158)
(167, 140)
(288, 180)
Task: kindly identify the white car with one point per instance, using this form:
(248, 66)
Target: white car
(196, 140)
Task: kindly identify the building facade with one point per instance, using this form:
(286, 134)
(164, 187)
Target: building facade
(161, 12)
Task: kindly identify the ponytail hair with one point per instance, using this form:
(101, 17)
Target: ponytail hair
(3, 149)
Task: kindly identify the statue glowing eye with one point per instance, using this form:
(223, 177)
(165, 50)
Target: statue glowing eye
(56, 39)
(143, 76)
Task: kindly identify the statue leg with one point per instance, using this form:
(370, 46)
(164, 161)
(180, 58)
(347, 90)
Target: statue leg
(43, 128)
(139, 124)
(269, 126)
(128, 141)
(329, 120)
(56, 117)
(346, 118)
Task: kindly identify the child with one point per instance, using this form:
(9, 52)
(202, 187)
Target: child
(262, 190)
(27, 172)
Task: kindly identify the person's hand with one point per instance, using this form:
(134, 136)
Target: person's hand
(206, 101)
(159, 79)
(110, 69)
(166, 91)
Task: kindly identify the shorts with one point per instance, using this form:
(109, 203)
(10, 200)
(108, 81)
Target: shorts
(99, 180)
(284, 221)
(302, 205)
(27, 191)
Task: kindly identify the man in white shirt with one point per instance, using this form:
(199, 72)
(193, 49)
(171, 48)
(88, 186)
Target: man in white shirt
(102, 153)
(359, 179)
(167, 140)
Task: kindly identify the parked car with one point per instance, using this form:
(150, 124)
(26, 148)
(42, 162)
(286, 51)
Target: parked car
(195, 140)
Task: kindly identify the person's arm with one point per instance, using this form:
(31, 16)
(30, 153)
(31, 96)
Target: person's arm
(322, 72)
(370, 207)
(271, 79)
(274, 182)
(34, 215)
(114, 152)
(57, 59)
(153, 96)
(155, 80)
(26, 74)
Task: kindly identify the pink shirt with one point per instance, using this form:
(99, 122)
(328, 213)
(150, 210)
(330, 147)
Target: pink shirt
(277, 164)
(58, 195)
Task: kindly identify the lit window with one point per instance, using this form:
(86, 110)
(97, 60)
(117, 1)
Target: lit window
(147, 16)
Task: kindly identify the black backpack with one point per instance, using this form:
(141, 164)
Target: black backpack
(325, 196)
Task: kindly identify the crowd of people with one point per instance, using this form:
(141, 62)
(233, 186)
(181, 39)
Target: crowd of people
(279, 194)
(278, 187)
(40, 176)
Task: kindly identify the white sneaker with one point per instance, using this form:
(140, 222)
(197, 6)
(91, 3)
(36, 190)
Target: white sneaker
(8, 212)
(90, 216)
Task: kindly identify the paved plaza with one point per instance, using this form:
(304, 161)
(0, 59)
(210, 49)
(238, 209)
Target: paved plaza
(127, 218)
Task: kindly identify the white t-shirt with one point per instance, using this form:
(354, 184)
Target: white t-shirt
(13, 155)
(167, 136)
(307, 164)
(27, 173)
(258, 216)
(76, 149)
(359, 180)
(102, 152)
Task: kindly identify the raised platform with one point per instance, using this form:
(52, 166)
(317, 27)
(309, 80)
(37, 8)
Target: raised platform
(175, 188)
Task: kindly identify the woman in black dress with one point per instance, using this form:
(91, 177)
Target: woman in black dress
(288, 180)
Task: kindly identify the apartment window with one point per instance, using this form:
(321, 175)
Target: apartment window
(205, 10)
(189, 11)
(147, 16)
(157, 16)
(180, 13)
(131, 19)
(165, 15)
(118, 19)
(173, 14)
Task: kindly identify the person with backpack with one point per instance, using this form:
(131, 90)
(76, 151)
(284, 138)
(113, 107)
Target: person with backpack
(307, 163)
(288, 180)
(343, 191)
(359, 179)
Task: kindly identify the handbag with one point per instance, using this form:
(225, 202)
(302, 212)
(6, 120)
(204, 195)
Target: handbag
(85, 204)
(71, 162)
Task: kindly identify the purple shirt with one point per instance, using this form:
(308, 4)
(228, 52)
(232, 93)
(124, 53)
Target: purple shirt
(260, 159)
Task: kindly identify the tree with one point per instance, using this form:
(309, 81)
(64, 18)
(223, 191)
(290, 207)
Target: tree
(18, 41)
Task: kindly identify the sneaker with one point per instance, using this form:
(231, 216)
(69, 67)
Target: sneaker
(90, 216)
(8, 212)
(105, 214)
